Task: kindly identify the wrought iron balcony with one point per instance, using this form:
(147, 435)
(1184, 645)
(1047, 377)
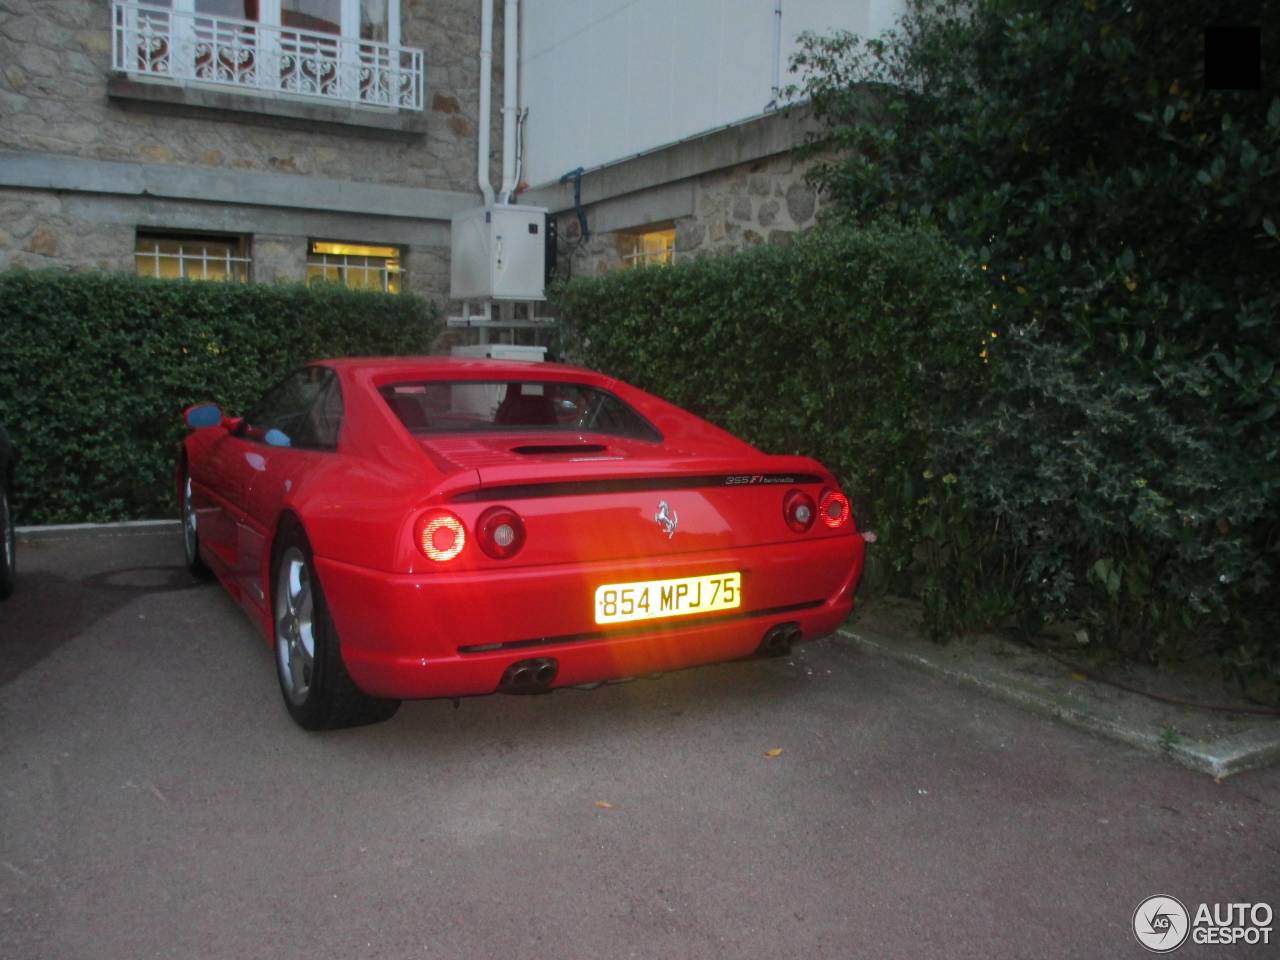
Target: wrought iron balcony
(176, 46)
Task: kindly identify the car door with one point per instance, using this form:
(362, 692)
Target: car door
(294, 433)
(222, 477)
(220, 481)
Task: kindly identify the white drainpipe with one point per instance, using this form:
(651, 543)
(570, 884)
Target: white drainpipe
(777, 53)
(484, 120)
(510, 96)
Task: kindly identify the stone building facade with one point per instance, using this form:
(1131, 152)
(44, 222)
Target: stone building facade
(96, 162)
(92, 158)
(728, 190)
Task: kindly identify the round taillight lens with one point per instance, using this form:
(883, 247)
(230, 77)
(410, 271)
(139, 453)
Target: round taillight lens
(834, 509)
(440, 535)
(798, 510)
(500, 532)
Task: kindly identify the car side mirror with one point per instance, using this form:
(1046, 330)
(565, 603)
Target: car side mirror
(201, 415)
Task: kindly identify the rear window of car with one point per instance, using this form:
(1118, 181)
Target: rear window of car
(485, 406)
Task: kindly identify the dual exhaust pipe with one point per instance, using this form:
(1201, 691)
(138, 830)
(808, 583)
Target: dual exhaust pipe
(529, 676)
(537, 675)
(778, 640)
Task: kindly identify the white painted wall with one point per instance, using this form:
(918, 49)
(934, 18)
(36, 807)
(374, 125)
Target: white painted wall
(607, 79)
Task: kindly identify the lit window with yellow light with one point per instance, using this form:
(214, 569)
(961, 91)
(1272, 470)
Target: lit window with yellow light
(650, 248)
(189, 257)
(360, 266)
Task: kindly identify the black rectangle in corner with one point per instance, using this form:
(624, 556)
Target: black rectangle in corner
(1233, 58)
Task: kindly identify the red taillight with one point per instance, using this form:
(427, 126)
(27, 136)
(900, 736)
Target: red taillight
(798, 510)
(500, 532)
(440, 535)
(834, 509)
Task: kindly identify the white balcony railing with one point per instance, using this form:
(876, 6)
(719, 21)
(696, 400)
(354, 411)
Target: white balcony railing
(159, 43)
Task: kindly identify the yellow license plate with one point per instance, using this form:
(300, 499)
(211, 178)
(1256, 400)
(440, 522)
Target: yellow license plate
(651, 599)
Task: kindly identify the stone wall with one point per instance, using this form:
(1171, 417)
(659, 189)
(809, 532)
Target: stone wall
(427, 272)
(763, 201)
(60, 105)
(39, 229)
(55, 63)
(56, 101)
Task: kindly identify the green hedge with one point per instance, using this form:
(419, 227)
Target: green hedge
(1122, 471)
(840, 346)
(95, 370)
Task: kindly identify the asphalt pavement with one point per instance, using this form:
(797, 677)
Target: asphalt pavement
(156, 801)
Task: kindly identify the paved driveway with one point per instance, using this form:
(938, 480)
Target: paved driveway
(156, 801)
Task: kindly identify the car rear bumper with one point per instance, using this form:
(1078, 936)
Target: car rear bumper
(413, 637)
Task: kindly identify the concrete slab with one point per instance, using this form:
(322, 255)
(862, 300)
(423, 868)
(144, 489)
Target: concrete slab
(1216, 743)
(183, 182)
(289, 113)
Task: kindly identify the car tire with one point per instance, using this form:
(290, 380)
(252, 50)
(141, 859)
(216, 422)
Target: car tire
(318, 692)
(190, 530)
(8, 546)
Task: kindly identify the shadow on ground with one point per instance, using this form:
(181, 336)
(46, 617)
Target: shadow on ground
(49, 608)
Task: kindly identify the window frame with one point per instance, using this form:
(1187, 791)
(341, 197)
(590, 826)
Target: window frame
(645, 430)
(343, 264)
(242, 260)
(323, 57)
(634, 256)
(271, 14)
(256, 433)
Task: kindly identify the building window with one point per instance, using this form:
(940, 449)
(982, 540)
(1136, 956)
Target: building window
(648, 248)
(356, 265)
(345, 50)
(190, 257)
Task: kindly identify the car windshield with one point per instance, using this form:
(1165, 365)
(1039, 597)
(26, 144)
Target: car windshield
(472, 406)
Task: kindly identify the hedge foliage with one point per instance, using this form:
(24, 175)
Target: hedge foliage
(1121, 469)
(95, 370)
(1054, 186)
(841, 346)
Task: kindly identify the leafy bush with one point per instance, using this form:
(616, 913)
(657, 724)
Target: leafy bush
(1123, 466)
(95, 370)
(841, 346)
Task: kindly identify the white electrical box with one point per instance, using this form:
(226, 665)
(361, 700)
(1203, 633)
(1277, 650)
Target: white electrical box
(499, 253)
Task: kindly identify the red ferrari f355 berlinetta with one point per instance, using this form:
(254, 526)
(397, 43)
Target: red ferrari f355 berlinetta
(410, 528)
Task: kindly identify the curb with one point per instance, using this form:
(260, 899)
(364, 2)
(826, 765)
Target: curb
(72, 531)
(1259, 747)
(1256, 747)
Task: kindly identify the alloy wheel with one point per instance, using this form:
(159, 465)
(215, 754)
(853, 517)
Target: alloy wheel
(189, 522)
(6, 530)
(295, 625)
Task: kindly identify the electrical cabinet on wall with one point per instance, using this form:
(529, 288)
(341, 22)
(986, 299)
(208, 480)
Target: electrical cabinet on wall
(498, 253)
